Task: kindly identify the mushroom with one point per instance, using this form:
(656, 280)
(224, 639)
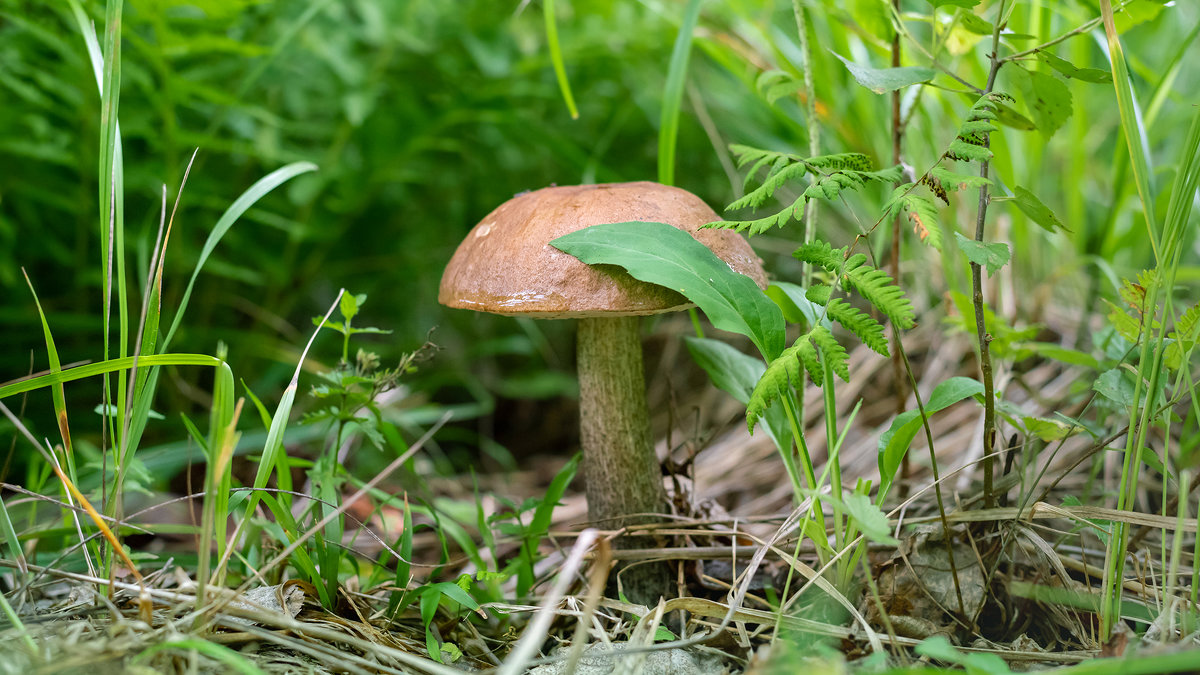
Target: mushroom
(506, 265)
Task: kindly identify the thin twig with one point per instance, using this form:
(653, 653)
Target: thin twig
(985, 359)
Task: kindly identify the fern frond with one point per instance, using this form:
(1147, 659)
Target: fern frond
(818, 294)
(776, 162)
(1127, 326)
(775, 179)
(975, 127)
(1183, 338)
(964, 151)
(953, 182)
(878, 289)
(746, 154)
(844, 161)
(1187, 326)
(969, 146)
(860, 323)
(784, 372)
(832, 352)
(820, 253)
(919, 210)
(794, 211)
(831, 185)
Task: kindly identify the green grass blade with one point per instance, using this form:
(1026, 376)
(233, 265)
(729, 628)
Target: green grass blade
(556, 57)
(60, 399)
(247, 199)
(1131, 124)
(92, 369)
(668, 127)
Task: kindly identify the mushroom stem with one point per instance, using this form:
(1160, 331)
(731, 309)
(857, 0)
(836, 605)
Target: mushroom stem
(622, 472)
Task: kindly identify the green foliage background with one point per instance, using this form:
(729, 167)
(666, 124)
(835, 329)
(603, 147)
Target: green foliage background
(424, 115)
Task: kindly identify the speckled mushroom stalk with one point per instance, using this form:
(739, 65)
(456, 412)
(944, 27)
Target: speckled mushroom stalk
(623, 475)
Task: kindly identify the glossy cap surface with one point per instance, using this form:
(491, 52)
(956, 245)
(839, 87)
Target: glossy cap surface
(506, 264)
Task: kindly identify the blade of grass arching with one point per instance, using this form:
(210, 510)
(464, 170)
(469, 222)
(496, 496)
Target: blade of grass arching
(1131, 124)
(1114, 562)
(556, 58)
(668, 126)
(247, 199)
(274, 443)
(92, 369)
(59, 397)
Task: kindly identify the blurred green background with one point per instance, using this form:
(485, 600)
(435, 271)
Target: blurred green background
(423, 115)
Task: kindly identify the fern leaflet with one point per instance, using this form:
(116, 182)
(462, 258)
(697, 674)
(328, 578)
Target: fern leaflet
(950, 181)
(1183, 338)
(970, 145)
(837, 172)
(879, 290)
(784, 371)
(965, 151)
(860, 323)
(821, 254)
(872, 284)
(919, 210)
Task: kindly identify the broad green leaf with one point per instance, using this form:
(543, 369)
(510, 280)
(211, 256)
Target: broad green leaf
(1009, 117)
(1062, 354)
(870, 519)
(895, 441)
(456, 593)
(1048, 429)
(349, 305)
(974, 23)
(1038, 212)
(992, 256)
(1047, 98)
(1069, 69)
(1117, 385)
(730, 370)
(883, 80)
(660, 254)
(1137, 12)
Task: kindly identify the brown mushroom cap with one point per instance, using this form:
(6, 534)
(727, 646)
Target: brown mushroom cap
(506, 264)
